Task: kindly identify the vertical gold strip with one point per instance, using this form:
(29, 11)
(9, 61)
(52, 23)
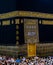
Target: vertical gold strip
(17, 27)
(12, 22)
(39, 21)
(31, 30)
(31, 49)
(17, 37)
(17, 32)
(21, 20)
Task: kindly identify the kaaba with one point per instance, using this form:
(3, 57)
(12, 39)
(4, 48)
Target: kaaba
(24, 22)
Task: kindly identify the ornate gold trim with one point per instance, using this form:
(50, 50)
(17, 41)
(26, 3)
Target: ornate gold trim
(25, 14)
(16, 21)
(6, 22)
(47, 22)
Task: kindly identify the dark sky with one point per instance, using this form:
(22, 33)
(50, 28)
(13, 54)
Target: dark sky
(36, 5)
(29, 5)
(7, 5)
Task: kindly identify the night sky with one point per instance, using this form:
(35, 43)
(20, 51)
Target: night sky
(29, 5)
(35, 5)
(7, 6)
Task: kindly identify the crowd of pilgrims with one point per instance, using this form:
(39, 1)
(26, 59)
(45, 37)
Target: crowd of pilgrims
(9, 60)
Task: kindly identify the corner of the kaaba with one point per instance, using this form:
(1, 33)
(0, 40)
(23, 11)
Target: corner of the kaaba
(22, 31)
